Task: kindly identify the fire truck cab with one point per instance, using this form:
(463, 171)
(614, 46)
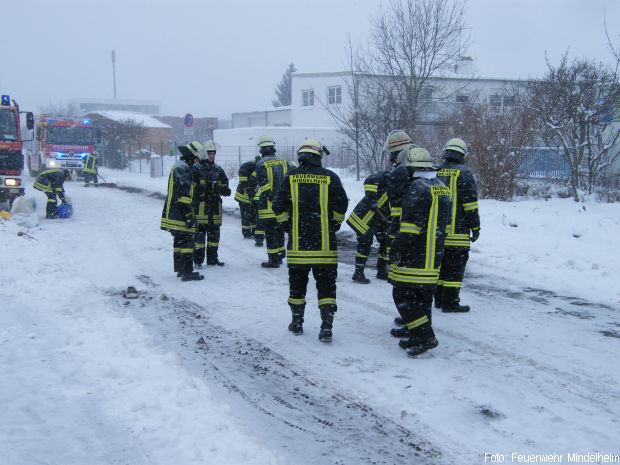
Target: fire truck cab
(11, 145)
(61, 143)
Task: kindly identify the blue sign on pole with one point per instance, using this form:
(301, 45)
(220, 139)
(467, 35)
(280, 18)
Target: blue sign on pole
(188, 120)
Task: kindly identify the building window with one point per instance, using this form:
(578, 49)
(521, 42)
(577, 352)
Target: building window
(334, 95)
(495, 100)
(509, 100)
(462, 98)
(307, 98)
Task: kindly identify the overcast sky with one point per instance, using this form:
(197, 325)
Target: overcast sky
(212, 57)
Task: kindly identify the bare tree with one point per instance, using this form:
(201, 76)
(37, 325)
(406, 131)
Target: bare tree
(121, 139)
(284, 89)
(575, 103)
(497, 138)
(58, 109)
(367, 114)
(413, 41)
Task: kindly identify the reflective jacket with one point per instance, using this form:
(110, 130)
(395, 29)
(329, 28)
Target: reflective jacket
(312, 203)
(398, 183)
(270, 172)
(51, 182)
(178, 205)
(246, 189)
(464, 215)
(373, 209)
(211, 185)
(417, 249)
(90, 164)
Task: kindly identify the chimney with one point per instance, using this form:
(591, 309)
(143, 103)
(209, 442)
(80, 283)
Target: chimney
(465, 66)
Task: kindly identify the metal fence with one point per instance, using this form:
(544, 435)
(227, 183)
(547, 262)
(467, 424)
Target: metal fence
(543, 163)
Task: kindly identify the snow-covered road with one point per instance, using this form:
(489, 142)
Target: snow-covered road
(89, 377)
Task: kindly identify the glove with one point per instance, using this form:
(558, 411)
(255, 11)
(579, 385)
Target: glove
(190, 222)
(284, 226)
(63, 202)
(475, 234)
(337, 225)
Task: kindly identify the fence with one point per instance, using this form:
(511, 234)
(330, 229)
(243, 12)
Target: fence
(543, 163)
(228, 157)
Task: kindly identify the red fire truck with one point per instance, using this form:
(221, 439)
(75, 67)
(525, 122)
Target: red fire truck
(11, 144)
(61, 143)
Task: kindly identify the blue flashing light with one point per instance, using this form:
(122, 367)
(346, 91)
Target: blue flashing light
(6, 101)
(86, 121)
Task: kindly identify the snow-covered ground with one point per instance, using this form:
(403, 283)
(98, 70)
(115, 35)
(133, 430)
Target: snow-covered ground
(88, 377)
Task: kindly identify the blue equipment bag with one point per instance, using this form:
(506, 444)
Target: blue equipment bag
(65, 211)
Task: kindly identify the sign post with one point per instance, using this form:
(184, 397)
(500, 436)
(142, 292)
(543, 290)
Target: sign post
(188, 121)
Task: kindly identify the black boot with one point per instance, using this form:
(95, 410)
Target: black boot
(215, 262)
(437, 295)
(258, 240)
(401, 332)
(382, 272)
(450, 301)
(358, 276)
(296, 325)
(274, 261)
(425, 341)
(193, 276)
(399, 321)
(327, 315)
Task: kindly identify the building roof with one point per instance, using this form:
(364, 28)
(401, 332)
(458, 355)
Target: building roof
(145, 120)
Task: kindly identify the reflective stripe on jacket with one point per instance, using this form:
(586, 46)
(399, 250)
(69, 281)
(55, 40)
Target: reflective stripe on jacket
(178, 205)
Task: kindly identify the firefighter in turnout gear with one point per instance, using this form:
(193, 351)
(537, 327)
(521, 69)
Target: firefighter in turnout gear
(464, 226)
(178, 214)
(416, 252)
(51, 183)
(310, 205)
(270, 172)
(369, 219)
(244, 195)
(211, 185)
(90, 169)
(398, 143)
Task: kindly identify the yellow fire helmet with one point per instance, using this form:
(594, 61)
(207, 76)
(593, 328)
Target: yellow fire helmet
(311, 146)
(397, 140)
(266, 141)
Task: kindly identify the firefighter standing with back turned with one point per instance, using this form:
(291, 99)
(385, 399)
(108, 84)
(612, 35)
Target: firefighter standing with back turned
(211, 185)
(51, 183)
(310, 205)
(244, 195)
(464, 219)
(369, 219)
(178, 214)
(416, 252)
(270, 171)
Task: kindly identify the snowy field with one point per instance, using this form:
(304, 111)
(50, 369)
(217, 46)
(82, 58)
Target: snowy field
(89, 377)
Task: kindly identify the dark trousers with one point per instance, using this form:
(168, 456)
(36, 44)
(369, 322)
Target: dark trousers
(50, 209)
(364, 244)
(91, 176)
(274, 237)
(325, 277)
(207, 238)
(451, 273)
(183, 243)
(413, 304)
(247, 219)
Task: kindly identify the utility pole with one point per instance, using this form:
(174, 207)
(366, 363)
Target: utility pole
(114, 71)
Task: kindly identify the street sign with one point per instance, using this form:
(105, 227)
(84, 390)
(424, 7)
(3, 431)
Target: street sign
(188, 120)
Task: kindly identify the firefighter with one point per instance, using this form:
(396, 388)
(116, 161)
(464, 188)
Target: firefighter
(90, 169)
(211, 185)
(369, 219)
(51, 183)
(270, 171)
(244, 195)
(178, 214)
(398, 181)
(416, 252)
(464, 226)
(310, 205)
